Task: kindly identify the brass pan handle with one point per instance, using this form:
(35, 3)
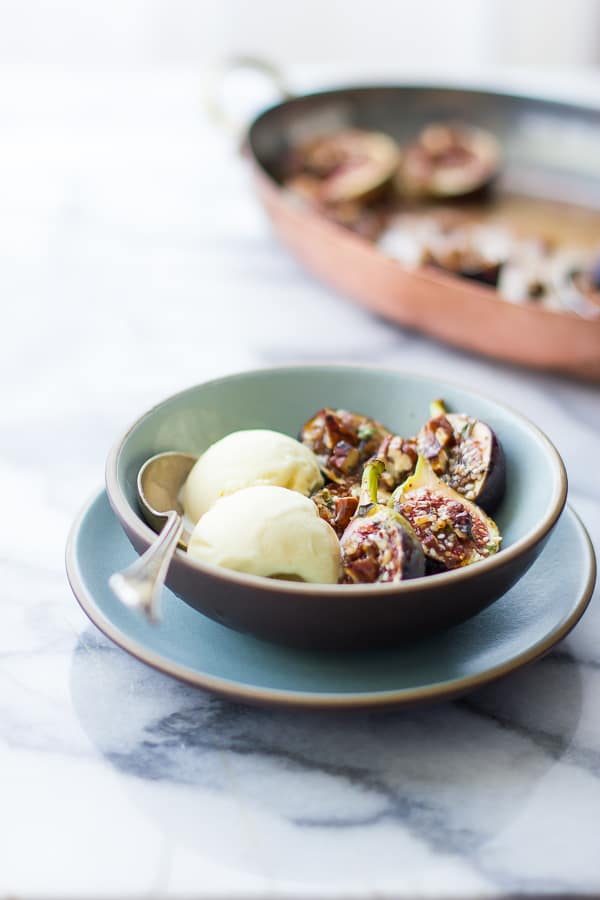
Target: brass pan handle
(214, 100)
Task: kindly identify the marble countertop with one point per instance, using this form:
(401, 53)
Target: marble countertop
(135, 261)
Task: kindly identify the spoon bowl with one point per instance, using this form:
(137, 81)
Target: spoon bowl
(159, 484)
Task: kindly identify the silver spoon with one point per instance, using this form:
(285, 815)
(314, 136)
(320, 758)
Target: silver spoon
(159, 484)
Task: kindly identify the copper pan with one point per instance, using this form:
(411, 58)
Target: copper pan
(552, 151)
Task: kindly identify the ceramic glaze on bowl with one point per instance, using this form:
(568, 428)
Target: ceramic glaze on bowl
(341, 616)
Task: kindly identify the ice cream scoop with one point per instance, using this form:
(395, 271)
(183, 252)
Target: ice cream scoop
(246, 458)
(271, 531)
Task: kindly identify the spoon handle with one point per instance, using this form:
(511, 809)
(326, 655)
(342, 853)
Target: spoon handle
(140, 585)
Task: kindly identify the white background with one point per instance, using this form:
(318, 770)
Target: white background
(142, 33)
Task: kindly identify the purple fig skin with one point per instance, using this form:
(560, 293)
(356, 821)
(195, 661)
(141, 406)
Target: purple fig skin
(596, 274)
(494, 484)
(434, 566)
(486, 273)
(491, 489)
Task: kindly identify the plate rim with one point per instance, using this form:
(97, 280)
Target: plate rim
(252, 694)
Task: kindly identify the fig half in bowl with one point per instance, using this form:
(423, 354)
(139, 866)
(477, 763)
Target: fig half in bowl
(449, 160)
(340, 616)
(379, 544)
(452, 530)
(466, 454)
(342, 441)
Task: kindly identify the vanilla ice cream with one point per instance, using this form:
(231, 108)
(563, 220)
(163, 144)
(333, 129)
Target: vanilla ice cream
(246, 458)
(268, 530)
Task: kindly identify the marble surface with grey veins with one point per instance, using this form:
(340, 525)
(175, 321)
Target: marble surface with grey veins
(134, 261)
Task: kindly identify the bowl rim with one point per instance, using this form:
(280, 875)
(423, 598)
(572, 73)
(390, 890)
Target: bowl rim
(134, 522)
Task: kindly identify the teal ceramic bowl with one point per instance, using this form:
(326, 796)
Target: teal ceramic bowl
(341, 616)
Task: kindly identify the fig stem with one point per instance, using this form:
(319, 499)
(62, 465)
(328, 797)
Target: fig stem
(421, 470)
(437, 408)
(370, 481)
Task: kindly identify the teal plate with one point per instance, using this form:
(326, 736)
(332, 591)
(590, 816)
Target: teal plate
(519, 628)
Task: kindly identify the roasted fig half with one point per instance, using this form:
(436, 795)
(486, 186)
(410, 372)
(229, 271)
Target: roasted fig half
(342, 441)
(463, 256)
(337, 503)
(465, 453)
(379, 544)
(452, 531)
(449, 161)
(450, 240)
(347, 165)
(364, 220)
